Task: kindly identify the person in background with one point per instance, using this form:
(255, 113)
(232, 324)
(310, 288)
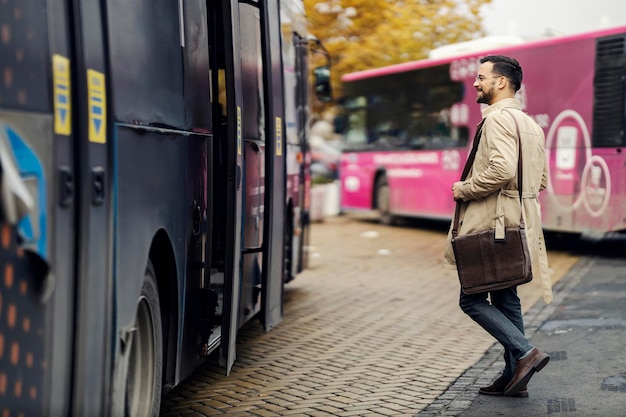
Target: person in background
(492, 180)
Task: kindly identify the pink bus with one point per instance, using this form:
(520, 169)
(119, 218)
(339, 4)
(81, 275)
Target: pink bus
(407, 130)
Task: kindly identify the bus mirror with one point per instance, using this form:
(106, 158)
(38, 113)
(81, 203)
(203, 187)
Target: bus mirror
(323, 89)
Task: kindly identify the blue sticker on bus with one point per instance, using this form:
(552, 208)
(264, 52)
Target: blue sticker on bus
(32, 228)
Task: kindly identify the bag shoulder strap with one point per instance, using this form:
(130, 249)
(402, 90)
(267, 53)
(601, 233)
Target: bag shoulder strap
(472, 155)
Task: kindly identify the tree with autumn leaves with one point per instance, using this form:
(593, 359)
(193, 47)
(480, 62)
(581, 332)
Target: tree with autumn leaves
(365, 34)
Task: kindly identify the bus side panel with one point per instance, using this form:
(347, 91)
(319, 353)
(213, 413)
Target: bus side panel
(161, 176)
(358, 173)
(161, 167)
(551, 101)
(150, 178)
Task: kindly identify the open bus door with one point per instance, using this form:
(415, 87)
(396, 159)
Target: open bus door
(255, 180)
(275, 172)
(234, 177)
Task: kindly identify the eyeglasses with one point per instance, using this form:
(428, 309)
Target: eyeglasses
(481, 78)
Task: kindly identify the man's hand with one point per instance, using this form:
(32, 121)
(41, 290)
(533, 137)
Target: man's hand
(456, 189)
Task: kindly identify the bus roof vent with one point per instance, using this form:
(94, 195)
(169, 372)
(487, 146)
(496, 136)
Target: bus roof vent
(609, 116)
(610, 47)
(487, 43)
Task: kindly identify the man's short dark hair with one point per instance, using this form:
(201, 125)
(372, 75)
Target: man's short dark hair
(507, 66)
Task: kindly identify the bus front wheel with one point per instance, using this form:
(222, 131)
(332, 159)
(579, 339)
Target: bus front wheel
(382, 201)
(143, 385)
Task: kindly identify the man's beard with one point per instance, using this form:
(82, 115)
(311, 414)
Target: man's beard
(484, 97)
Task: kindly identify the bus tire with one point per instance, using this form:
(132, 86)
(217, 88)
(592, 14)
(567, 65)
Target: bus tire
(382, 201)
(143, 383)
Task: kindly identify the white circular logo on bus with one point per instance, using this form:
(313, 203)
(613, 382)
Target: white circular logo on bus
(568, 148)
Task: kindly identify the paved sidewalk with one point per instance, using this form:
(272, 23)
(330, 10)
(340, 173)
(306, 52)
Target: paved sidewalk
(372, 328)
(583, 330)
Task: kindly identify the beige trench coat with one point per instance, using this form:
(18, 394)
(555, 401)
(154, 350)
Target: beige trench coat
(490, 190)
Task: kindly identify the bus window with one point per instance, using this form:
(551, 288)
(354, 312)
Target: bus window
(610, 102)
(407, 110)
(252, 68)
(355, 119)
(356, 133)
(147, 74)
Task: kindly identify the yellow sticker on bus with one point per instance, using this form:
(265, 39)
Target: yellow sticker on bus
(96, 100)
(279, 137)
(62, 95)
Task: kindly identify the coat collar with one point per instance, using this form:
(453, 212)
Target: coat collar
(502, 104)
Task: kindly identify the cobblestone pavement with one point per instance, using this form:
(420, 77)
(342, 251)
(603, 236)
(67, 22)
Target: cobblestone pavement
(372, 328)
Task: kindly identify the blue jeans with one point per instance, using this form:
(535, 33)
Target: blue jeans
(502, 318)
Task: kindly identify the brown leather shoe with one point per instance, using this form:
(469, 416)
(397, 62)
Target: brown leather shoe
(497, 388)
(525, 369)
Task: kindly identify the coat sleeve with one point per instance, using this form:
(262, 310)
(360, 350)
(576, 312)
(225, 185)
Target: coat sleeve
(498, 149)
(544, 176)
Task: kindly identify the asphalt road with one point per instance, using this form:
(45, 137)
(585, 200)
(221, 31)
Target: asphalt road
(583, 331)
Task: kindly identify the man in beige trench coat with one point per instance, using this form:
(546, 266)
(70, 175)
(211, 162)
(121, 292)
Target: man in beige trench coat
(490, 195)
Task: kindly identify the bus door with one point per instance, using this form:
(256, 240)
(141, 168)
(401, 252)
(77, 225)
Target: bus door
(275, 169)
(263, 169)
(92, 184)
(302, 108)
(251, 120)
(227, 168)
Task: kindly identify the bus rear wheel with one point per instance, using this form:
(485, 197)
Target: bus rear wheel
(143, 384)
(382, 201)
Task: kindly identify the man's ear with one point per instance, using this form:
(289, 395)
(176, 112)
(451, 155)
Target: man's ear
(503, 83)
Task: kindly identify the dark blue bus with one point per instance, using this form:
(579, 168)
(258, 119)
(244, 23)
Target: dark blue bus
(154, 179)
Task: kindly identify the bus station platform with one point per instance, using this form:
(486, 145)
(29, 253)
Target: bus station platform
(373, 328)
